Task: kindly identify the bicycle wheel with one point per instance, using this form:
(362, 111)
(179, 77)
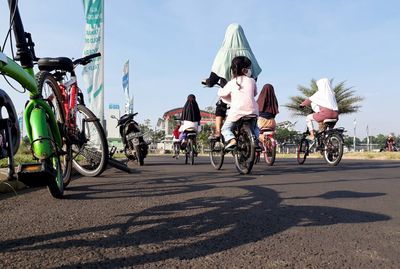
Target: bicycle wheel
(139, 155)
(177, 148)
(217, 153)
(90, 152)
(190, 149)
(50, 92)
(333, 150)
(7, 105)
(56, 186)
(245, 150)
(269, 151)
(302, 150)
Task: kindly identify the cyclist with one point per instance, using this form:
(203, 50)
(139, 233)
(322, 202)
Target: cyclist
(175, 139)
(241, 91)
(389, 143)
(324, 105)
(190, 118)
(235, 44)
(268, 108)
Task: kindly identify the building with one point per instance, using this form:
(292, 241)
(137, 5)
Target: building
(170, 118)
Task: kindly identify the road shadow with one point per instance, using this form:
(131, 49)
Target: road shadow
(193, 228)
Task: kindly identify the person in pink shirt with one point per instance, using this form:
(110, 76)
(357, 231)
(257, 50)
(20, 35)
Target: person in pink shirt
(240, 92)
(323, 103)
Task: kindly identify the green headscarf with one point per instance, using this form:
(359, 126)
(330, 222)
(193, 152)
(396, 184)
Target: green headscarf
(235, 44)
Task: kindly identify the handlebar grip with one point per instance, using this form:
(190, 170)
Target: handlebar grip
(87, 59)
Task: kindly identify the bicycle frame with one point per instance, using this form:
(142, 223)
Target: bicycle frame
(37, 112)
(69, 92)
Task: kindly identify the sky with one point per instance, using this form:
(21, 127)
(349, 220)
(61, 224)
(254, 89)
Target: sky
(171, 45)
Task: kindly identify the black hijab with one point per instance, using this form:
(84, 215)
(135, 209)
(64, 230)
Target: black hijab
(267, 101)
(191, 111)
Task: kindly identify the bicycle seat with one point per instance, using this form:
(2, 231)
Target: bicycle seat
(191, 130)
(59, 63)
(327, 121)
(267, 131)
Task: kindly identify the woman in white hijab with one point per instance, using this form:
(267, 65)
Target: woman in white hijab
(235, 44)
(323, 103)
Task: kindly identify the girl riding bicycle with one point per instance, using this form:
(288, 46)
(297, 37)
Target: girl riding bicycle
(241, 91)
(323, 103)
(190, 117)
(268, 108)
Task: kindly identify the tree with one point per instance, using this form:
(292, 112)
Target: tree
(346, 99)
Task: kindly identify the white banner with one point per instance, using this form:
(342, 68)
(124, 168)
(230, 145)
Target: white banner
(125, 86)
(93, 73)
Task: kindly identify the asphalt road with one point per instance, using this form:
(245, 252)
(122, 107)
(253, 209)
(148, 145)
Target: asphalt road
(171, 215)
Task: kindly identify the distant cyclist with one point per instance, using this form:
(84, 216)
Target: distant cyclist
(190, 117)
(324, 105)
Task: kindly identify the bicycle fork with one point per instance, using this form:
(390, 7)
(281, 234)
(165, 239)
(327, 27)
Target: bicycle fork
(45, 139)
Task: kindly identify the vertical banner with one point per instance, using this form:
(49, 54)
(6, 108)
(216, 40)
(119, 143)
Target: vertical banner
(93, 73)
(125, 86)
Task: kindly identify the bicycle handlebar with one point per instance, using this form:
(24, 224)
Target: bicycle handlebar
(87, 59)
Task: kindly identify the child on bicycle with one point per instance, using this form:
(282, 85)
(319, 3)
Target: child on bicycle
(235, 43)
(323, 103)
(241, 91)
(190, 117)
(268, 109)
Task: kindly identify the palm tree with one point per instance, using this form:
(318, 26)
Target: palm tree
(346, 99)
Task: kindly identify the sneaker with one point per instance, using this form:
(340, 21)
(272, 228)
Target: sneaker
(231, 145)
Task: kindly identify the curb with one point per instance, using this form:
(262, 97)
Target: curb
(7, 186)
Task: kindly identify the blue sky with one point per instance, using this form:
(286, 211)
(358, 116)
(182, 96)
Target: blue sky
(171, 45)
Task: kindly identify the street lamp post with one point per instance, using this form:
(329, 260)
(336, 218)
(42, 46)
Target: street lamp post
(354, 138)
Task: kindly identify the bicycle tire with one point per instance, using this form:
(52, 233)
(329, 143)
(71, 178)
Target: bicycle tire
(49, 90)
(189, 152)
(333, 150)
(269, 151)
(139, 155)
(56, 186)
(302, 150)
(94, 160)
(245, 150)
(217, 154)
(192, 151)
(7, 104)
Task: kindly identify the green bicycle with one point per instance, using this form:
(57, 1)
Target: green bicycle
(41, 125)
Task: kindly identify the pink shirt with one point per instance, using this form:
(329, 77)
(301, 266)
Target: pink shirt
(242, 99)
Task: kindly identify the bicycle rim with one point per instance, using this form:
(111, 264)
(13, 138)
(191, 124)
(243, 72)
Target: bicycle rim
(333, 150)
(302, 151)
(90, 153)
(245, 152)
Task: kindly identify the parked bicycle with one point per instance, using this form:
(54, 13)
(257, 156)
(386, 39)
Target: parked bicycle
(245, 150)
(268, 147)
(84, 137)
(328, 141)
(41, 126)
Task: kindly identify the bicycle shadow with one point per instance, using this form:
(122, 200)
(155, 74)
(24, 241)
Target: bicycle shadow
(193, 228)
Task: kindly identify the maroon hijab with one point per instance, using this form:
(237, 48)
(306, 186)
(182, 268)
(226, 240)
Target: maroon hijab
(267, 101)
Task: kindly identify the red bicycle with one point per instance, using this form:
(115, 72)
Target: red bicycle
(268, 146)
(85, 144)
